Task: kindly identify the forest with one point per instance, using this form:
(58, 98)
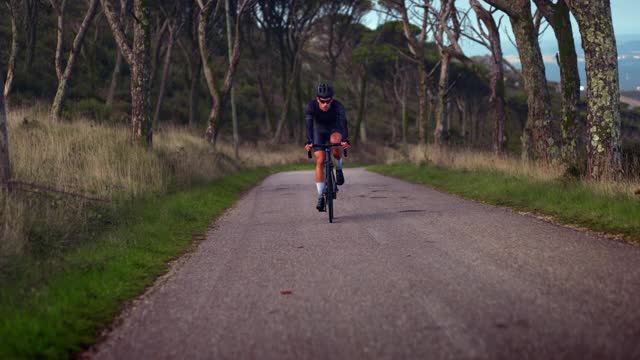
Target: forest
(187, 80)
(246, 69)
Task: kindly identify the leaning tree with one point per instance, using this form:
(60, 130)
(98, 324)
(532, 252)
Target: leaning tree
(5, 166)
(63, 72)
(488, 35)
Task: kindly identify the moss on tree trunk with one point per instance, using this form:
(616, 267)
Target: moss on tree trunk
(141, 75)
(603, 87)
(557, 15)
(540, 145)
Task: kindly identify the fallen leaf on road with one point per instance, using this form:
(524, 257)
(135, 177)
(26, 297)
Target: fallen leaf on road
(286, 292)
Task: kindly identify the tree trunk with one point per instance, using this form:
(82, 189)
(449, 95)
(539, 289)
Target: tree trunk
(400, 83)
(114, 79)
(208, 72)
(461, 104)
(558, 16)
(416, 47)
(156, 48)
(285, 110)
(11, 66)
(538, 100)
(65, 75)
(60, 10)
(139, 59)
(603, 87)
(441, 104)
(422, 101)
(219, 97)
(405, 118)
(299, 117)
(266, 102)
(165, 75)
(363, 125)
(537, 138)
(31, 25)
(394, 114)
(234, 117)
(496, 82)
(287, 97)
(394, 124)
(193, 91)
(474, 122)
(141, 75)
(358, 136)
(497, 104)
(118, 66)
(5, 165)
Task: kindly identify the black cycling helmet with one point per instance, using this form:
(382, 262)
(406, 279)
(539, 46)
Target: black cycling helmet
(324, 90)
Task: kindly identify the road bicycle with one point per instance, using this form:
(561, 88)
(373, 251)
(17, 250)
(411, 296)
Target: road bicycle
(330, 187)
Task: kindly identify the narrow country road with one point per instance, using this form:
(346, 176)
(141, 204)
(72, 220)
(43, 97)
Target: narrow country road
(405, 272)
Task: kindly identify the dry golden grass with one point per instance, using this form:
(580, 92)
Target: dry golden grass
(99, 161)
(482, 160)
(474, 159)
(81, 157)
(193, 160)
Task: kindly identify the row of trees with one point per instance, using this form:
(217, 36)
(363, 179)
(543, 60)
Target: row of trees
(594, 20)
(286, 42)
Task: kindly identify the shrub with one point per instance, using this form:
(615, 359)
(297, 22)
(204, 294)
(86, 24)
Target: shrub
(93, 109)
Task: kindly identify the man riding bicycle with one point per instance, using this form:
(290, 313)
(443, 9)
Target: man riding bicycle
(326, 122)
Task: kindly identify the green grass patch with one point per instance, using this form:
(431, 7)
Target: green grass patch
(52, 309)
(569, 202)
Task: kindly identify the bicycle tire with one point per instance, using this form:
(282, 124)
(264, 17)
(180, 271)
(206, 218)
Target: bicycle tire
(335, 186)
(330, 208)
(329, 197)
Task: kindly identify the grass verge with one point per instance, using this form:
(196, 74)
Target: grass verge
(55, 310)
(569, 202)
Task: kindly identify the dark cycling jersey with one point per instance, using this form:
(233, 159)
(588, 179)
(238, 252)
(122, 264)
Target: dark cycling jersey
(320, 124)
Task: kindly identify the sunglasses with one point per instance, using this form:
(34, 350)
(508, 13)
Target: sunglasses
(325, 101)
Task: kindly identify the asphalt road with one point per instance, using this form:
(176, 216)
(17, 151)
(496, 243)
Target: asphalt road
(405, 272)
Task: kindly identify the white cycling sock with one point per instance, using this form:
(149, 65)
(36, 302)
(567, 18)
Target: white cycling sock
(320, 187)
(339, 164)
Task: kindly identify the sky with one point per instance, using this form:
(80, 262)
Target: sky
(626, 23)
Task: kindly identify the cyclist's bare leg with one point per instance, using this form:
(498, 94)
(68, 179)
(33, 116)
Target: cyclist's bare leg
(319, 165)
(336, 138)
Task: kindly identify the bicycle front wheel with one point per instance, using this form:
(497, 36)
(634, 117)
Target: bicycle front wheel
(330, 194)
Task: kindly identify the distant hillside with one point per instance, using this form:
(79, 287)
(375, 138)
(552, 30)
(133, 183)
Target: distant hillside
(629, 67)
(629, 47)
(629, 70)
(635, 95)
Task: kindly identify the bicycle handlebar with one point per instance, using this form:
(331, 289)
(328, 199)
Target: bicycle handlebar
(325, 146)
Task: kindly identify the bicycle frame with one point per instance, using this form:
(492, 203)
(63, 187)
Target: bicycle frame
(330, 187)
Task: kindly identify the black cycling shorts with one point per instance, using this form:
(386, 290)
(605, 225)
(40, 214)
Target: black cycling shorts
(321, 137)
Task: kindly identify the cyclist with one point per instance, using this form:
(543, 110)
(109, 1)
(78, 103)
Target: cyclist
(326, 123)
